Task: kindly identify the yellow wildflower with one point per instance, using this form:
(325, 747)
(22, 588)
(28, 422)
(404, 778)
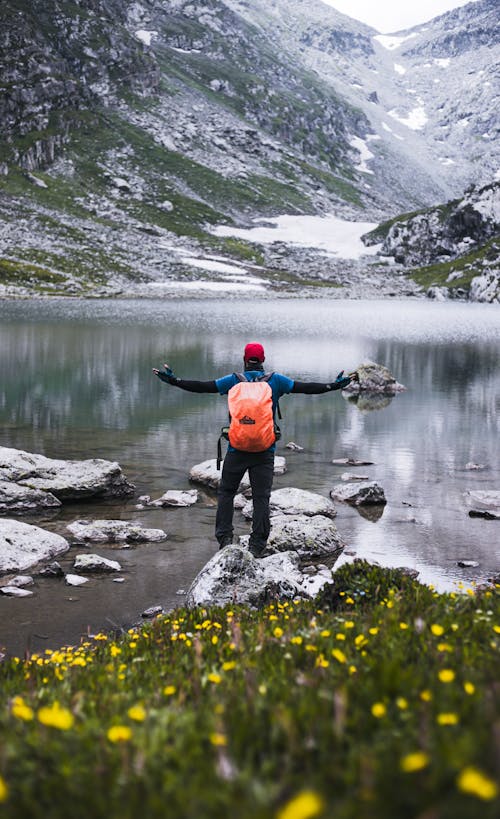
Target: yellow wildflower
(218, 739)
(132, 644)
(446, 675)
(4, 791)
(378, 710)
(325, 633)
(169, 690)
(403, 626)
(472, 781)
(321, 662)
(496, 629)
(214, 678)
(373, 630)
(349, 600)
(311, 647)
(339, 655)
(262, 689)
(215, 640)
(349, 624)
(469, 688)
(56, 717)
(426, 695)
(402, 703)
(137, 713)
(305, 805)
(340, 636)
(297, 641)
(414, 762)
(20, 710)
(119, 733)
(447, 719)
(444, 647)
(360, 640)
(437, 630)
(229, 665)
(352, 669)
(278, 632)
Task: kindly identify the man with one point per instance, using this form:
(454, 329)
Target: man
(260, 465)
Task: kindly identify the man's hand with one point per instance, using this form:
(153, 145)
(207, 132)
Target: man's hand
(167, 376)
(342, 381)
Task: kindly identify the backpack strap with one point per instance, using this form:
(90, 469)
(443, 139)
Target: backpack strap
(267, 377)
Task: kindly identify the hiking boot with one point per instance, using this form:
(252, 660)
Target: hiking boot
(225, 541)
(257, 551)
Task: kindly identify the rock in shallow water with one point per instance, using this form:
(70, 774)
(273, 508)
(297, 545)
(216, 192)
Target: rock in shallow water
(96, 563)
(293, 501)
(309, 536)
(111, 531)
(359, 494)
(207, 474)
(234, 576)
(23, 545)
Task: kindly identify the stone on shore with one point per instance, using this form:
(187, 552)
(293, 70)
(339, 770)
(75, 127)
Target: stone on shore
(293, 501)
(309, 536)
(359, 494)
(18, 499)
(207, 474)
(114, 531)
(23, 545)
(374, 378)
(67, 480)
(234, 576)
(176, 497)
(96, 563)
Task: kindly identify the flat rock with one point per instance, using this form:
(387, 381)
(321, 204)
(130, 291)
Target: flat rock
(15, 591)
(350, 462)
(152, 611)
(176, 497)
(67, 480)
(234, 576)
(96, 563)
(310, 536)
(23, 545)
(374, 378)
(359, 493)
(293, 446)
(114, 531)
(21, 580)
(207, 474)
(467, 564)
(75, 579)
(352, 476)
(18, 499)
(485, 499)
(293, 501)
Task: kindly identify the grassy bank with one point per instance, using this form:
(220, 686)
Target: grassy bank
(381, 698)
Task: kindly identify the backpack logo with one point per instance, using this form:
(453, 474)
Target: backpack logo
(247, 420)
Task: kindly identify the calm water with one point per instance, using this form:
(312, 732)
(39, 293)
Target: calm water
(76, 382)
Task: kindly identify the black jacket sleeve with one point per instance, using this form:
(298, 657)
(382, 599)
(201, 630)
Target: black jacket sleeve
(313, 387)
(189, 386)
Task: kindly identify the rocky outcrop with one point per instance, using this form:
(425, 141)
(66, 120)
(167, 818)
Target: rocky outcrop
(23, 546)
(15, 498)
(114, 531)
(66, 480)
(486, 288)
(374, 378)
(293, 501)
(359, 494)
(234, 576)
(309, 536)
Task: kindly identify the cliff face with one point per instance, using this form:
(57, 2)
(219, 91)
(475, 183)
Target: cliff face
(58, 59)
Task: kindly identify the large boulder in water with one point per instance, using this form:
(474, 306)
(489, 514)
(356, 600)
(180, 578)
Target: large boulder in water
(374, 378)
(359, 494)
(114, 531)
(22, 500)
(23, 545)
(310, 536)
(293, 501)
(233, 576)
(67, 480)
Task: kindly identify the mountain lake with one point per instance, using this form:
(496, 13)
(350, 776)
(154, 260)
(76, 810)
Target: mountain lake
(77, 383)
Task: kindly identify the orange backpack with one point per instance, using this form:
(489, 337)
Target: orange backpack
(251, 421)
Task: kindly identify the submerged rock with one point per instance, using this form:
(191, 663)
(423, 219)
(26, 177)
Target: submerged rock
(359, 493)
(111, 531)
(67, 480)
(234, 576)
(374, 378)
(23, 545)
(293, 501)
(51, 570)
(23, 500)
(96, 563)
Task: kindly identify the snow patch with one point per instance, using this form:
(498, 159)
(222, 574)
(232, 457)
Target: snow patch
(360, 145)
(445, 160)
(399, 69)
(214, 287)
(185, 50)
(415, 120)
(327, 233)
(145, 36)
(497, 175)
(211, 264)
(391, 41)
(442, 62)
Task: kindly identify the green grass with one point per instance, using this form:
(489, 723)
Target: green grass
(469, 266)
(378, 700)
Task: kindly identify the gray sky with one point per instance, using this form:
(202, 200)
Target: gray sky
(392, 15)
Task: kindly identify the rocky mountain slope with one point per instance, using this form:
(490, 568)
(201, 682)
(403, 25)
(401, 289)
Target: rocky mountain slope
(129, 130)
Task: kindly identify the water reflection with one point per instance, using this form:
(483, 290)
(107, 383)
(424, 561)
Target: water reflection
(76, 382)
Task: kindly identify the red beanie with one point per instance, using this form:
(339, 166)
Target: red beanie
(254, 351)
